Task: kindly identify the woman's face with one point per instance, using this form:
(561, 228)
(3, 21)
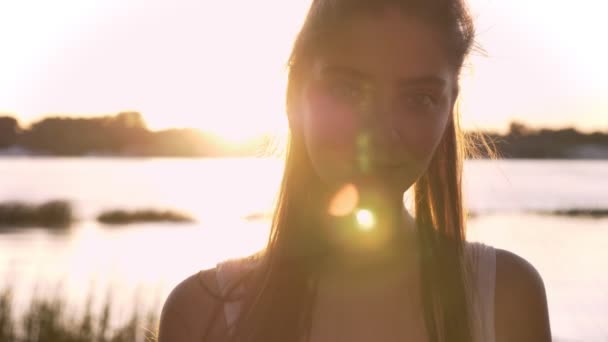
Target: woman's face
(377, 101)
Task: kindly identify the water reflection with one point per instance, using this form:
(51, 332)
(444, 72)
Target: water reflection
(147, 260)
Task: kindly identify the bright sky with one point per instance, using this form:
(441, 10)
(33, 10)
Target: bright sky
(219, 65)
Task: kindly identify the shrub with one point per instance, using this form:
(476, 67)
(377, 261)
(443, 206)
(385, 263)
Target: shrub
(57, 213)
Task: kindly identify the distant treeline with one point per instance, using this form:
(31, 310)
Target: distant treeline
(126, 134)
(524, 142)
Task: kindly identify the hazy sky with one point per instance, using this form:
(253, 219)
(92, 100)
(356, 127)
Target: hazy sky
(220, 64)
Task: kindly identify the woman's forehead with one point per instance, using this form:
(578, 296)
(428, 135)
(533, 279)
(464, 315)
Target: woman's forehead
(420, 79)
(388, 45)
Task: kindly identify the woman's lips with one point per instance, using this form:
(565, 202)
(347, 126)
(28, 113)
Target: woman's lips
(387, 159)
(388, 164)
(383, 162)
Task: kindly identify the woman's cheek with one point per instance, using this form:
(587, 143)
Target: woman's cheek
(329, 123)
(419, 137)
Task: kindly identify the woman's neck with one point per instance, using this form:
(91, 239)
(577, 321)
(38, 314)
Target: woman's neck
(378, 234)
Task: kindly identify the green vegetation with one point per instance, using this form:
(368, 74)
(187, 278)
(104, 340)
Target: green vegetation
(124, 134)
(48, 320)
(574, 212)
(59, 214)
(527, 143)
(595, 213)
(9, 130)
(147, 215)
(56, 213)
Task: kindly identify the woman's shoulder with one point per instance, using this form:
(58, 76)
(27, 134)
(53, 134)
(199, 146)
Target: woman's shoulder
(511, 273)
(521, 312)
(201, 302)
(477, 252)
(511, 291)
(508, 267)
(516, 276)
(230, 271)
(192, 307)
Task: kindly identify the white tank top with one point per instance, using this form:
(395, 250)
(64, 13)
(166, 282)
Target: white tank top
(482, 262)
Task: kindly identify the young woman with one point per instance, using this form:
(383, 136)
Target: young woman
(371, 106)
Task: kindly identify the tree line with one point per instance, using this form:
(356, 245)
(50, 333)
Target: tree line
(126, 134)
(522, 141)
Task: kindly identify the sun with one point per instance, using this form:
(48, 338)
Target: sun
(253, 107)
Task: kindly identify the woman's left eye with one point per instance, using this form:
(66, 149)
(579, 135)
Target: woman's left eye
(420, 101)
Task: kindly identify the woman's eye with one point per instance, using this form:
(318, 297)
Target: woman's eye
(420, 101)
(345, 90)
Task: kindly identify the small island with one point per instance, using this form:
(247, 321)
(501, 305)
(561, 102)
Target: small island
(120, 217)
(57, 214)
(51, 214)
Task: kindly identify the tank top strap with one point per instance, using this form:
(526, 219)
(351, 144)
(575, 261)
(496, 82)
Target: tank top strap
(228, 274)
(481, 260)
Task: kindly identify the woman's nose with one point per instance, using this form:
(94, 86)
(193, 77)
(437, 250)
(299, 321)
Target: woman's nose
(377, 120)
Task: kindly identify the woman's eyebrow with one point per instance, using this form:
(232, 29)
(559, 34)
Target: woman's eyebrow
(430, 80)
(334, 70)
(423, 80)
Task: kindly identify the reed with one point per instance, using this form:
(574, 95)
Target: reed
(49, 320)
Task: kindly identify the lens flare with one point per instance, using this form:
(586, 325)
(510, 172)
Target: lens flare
(344, 201)
(365, 219)
(363, 147)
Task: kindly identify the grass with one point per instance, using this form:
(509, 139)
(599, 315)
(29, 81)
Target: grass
(48, 320)
(56, 213)
(147, 215)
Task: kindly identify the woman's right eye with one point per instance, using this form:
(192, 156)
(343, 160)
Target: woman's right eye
(345, 90)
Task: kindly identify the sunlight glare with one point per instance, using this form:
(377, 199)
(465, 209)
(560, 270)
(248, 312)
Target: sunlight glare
(345, 201)
(365, 219)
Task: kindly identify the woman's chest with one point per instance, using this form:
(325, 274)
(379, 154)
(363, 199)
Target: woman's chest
(386, 314)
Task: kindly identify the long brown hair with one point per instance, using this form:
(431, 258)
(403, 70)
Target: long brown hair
(280, 292)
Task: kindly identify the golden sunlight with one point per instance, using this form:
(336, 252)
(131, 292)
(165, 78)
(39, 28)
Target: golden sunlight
(245, 112)
(345, 201)
(366, 219)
